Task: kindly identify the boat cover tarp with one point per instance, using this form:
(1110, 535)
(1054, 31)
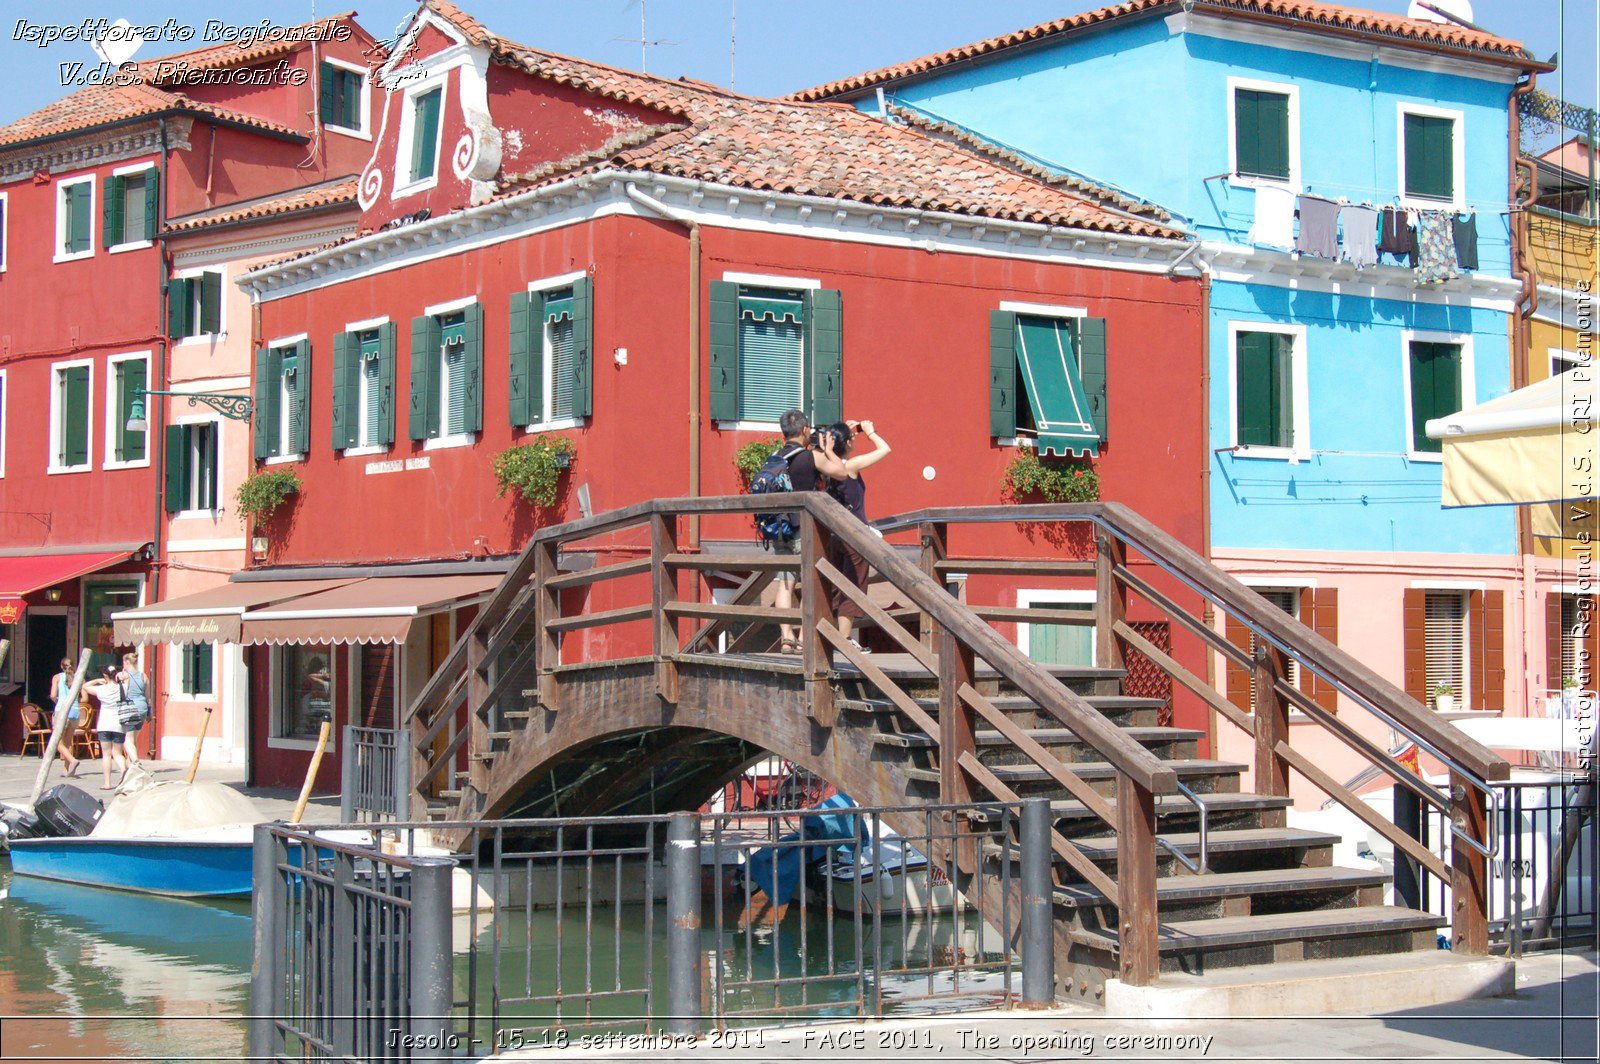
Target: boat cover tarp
(173, 808)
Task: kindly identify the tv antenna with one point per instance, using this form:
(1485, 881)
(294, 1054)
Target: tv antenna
(643, 40)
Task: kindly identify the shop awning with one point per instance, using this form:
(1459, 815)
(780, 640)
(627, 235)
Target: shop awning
(23, 576)
(1049, 368)
(377, 609)
(210, 616)
(1539, 444)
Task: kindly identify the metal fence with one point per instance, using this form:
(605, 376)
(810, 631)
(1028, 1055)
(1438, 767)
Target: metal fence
(376, 778)
(683, 924)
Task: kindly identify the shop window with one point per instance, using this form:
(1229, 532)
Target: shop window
(102, 599)
(303, 690)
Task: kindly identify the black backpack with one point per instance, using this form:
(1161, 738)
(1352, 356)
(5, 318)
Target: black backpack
(774, 477)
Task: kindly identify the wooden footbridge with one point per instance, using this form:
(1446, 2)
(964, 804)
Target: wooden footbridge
(627, 687)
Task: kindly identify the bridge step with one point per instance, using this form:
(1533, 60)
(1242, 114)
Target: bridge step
(1030, 780)
(1229, 850)
(1230, 894)
(1123, 710)
(995, 749)
(1225, 810)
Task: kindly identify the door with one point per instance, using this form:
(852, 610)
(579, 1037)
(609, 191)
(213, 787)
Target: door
(47, 645)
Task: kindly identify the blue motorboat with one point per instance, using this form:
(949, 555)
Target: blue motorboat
(182, 868)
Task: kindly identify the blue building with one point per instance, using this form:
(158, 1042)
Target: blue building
(1323, 490)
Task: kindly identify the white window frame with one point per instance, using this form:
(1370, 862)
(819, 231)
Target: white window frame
(197, 339)
(363, 450)
(767, 280)
(364, 130)
(5, 228)
(215, 421)
(56, 413)
(275, 691)
(547, 422)
(1571, 359)
(61, 254)
(133, 245)
(1027, 598)
(1301, 450)
(110, 461)
(1469, 391)
(1281, 88)
(177, 692)
(403, 185)
(460, 439)
(5, 406)
(283, 408)
(1458, 145)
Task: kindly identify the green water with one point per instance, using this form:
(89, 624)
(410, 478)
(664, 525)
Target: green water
(92, 974)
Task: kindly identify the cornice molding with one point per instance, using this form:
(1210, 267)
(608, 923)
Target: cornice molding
(95, 149)
(1283, 269)
(230, 251)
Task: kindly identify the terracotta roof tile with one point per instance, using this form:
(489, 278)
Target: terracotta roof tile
(99, 105)
(300, 201)
(1307, 13)
(229, 54)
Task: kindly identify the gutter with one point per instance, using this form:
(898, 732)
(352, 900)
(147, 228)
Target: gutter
(155, 436)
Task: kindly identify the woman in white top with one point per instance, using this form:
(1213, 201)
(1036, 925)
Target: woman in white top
(108, 692)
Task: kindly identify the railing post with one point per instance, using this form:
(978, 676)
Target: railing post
(1272, 721)
(1469, 878)
(1038, 904)
(935, 548)
(1137, 924)
(1110, 600)
(547, 608)
(957, 736)
(348, 784)
(813, 608)
(429, 955)
(402, 778)
(664, 592)
(267, 897)
(478, 723)
(683, 924)
(342, 944)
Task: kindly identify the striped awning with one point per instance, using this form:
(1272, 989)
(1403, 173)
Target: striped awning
(377, 609)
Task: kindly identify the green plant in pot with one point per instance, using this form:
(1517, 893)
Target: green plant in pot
(533, 470)
(261, 493)
(749, 459)
(1444, 698)
(1051, 479)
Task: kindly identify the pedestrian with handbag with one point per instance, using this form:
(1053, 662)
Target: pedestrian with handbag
(135, 706)
(108, 725)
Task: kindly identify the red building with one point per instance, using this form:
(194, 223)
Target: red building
(94, 312)
(654, 271)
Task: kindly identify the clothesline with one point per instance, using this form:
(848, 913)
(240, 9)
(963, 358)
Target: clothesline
(1391, 198)
(1437, 244)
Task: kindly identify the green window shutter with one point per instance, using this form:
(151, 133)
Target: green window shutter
(1435, 389)
(424, 134)
(526, 358)
(1261, 133)
(327, 109)
(724, 351)
(1002, 373)
(113, 193)
(177, 471)
(203, 656)
(1430, 156)
(1254, 389)
(474, 392)
(386, 333)
(78, 221)
(210, 303)
(346, 390)
(1091, 337)
(180, 307)
(131, 377)
(423, 417)
(152, 203)
(582, 347)
(825, 347)
(75, 417)
(1283, 389)
(264, 408)
(301, 422)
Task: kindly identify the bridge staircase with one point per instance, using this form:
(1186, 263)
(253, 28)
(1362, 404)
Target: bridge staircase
(1173, 869)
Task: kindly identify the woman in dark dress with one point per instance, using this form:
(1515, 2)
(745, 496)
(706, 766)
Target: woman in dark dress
(838, 461)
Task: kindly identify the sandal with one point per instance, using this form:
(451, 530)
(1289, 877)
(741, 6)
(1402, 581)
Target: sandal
(791, 646)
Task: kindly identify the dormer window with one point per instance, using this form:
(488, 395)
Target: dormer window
(342, 97)
(419, 142)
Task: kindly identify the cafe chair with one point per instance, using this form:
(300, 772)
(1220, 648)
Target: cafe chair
(35, 729)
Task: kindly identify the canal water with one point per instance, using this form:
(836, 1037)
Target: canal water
(92, 974)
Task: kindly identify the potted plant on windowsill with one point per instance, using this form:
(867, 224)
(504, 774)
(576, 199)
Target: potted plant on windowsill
(749, 459)
(1053, 480)
(1444, 698)
(534, 469)
(262, 492)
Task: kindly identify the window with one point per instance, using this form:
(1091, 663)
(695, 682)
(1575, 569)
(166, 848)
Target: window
(74, 219)
(424, 141)
(197, 674)
(551, 344)
(194, 305)
(303, 690)
(1269, 403)
(363, 387)
(1264, 130)
(1447, 643)
(1574, 629)
(192, 464)
(69, 417)
(1431, 156)
(1434, 385)
(342, 96)
(1061, 359)
(1561, 360)
(101, 599)
(1059, 644)
(447, 374)
(282, 395)
(130, 204)
(775, 349)
(128, 378)
(1286, 599)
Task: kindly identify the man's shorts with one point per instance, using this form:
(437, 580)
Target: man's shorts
(787, 546)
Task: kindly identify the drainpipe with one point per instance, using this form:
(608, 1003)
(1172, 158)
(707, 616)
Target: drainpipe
(155, 413)
(1521, 327)
(1208, 614)
(656, 207)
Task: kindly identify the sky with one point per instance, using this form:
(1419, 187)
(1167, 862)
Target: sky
(780, 45)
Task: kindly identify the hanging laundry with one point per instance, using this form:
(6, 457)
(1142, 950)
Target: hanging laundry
(1398, 238)
(1464, 228)
(1436, 255)
(1360, 225)
(1274, 224)
(1319, 228)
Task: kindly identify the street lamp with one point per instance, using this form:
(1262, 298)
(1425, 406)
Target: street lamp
(233, 407)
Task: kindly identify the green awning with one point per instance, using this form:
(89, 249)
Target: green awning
(559, 308)
(767, 307)
(1048, 360)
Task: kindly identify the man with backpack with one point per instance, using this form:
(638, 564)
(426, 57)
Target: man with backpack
(792, 467)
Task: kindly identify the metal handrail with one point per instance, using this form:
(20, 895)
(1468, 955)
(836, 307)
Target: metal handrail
(1205, 825)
